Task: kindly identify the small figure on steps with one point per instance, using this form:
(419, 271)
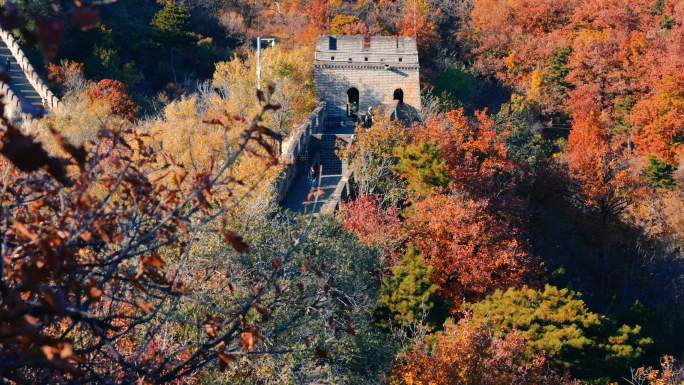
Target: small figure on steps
(368, 118)
(312, 177)
(8, 62)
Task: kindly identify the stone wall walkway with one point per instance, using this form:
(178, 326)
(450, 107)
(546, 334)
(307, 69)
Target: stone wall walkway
(323, 150)
(31, 102)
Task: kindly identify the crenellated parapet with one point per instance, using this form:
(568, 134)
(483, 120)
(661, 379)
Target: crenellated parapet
(51, 101)
(12, 105)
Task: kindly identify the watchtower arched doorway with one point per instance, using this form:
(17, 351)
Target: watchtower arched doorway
(399, 95)
(352, 102)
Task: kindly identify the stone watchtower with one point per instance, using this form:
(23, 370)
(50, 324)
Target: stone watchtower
(353, 73)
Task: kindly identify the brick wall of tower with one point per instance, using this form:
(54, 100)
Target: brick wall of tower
(376, 86)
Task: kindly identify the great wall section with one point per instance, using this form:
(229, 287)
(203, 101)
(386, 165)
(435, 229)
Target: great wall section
(316, 142)
(352, 75)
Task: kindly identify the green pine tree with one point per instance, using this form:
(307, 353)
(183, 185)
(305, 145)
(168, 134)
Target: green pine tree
(422, 167)
(658, 174)
(559, 324)
(408, 294)
(172, 21)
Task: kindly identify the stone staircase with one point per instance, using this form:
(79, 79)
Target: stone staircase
(324, 151)
(31, 102)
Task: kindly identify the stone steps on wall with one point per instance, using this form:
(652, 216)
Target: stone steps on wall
(340, 126)
(300, 199)
(323, 150)
(31, 102)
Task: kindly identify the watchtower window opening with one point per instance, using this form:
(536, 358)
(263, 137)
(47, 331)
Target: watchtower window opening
(365, 59)
(332, 43)
(353, 96)
(350, 59)
(401, 59)
(332, 57)
(399, 95)
(366, 42)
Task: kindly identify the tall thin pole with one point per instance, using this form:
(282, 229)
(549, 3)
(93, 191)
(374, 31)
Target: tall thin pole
(258, 74)
(415, 19)
(258, 84)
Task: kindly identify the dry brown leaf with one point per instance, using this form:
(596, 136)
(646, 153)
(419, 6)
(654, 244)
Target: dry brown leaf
(249, 339)
(67, 351)
(23, 230)
(236, 241)
(49, 351)
(144, 306)
(95, 293)
(225, 360)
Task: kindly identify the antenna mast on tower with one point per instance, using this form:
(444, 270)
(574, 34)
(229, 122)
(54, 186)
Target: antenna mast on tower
(258, 70)
(415, 19)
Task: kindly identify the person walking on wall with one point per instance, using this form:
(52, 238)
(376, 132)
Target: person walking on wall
(368, 118)
(313, 176)
(8, 62)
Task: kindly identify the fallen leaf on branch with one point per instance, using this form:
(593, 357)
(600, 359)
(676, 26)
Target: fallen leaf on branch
(144, 306)
(235, 240)
(225, 360)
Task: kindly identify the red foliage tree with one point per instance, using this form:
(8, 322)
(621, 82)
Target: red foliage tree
(318, 14)
(114, 93)
(65, 73)
(467, 353)
(475, 156)
(472, 251)
(659, 118)
(598, 169)
(415, 21)
(373, 225)
(513, 37)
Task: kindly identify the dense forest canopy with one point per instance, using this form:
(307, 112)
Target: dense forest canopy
(529, 229)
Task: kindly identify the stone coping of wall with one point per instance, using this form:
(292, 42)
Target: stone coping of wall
(335, 199)
(292, 145)
(295, 145)
(377, 43)
(12, 105)
(356, 66)
(52, 101)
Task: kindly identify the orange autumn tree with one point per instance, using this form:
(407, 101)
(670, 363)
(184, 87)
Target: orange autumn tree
(512, 37)
(472, 251)
(318, 15)
(669, 373)
(598, 169)
(475, 156)
(466, 353)
(659, 118)
(114, 92)
(415, 21)
(65, 73)
(614, 45)
(373, 225)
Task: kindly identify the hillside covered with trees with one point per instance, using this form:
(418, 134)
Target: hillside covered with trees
(529, 229)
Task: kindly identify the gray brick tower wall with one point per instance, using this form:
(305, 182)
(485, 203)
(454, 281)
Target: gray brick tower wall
(376, 67)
